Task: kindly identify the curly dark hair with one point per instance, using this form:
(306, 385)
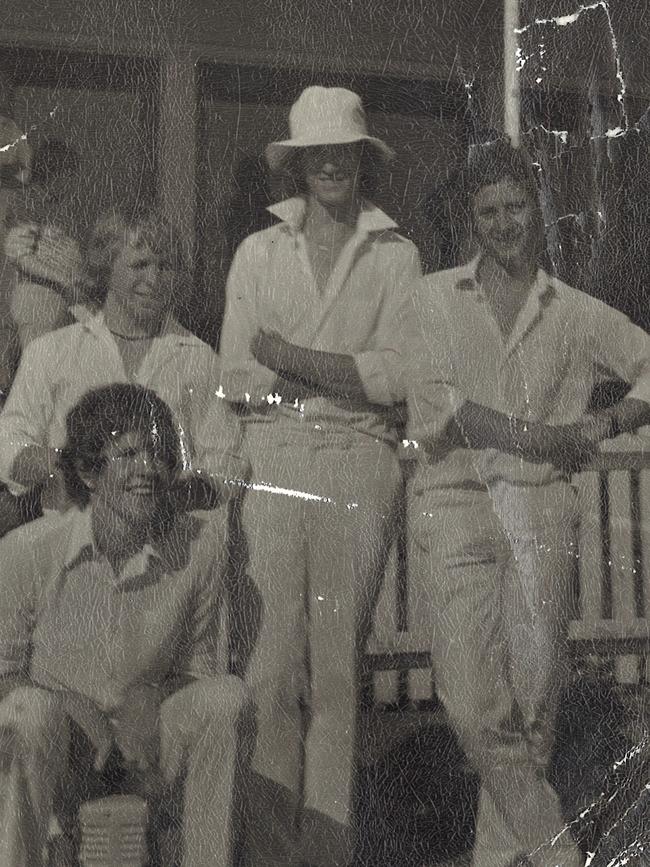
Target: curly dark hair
(105, 413)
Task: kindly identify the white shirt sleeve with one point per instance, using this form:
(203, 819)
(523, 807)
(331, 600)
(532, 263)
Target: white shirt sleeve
(620, 348)
(25, 417)
(433, 397)
(244, 380)
(381, 367)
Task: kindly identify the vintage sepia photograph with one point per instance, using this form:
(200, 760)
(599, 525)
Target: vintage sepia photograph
(324, 433)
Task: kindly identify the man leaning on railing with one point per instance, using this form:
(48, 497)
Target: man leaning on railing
(499, 411)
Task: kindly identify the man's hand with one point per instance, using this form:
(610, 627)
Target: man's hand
(137, 730)
(271, 350)
(197, 491)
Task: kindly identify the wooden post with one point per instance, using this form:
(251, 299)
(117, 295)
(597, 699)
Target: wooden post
(511, 108)
(178, 144)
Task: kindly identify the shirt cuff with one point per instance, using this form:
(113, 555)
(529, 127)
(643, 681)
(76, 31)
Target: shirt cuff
(376, 378)
(431, 413)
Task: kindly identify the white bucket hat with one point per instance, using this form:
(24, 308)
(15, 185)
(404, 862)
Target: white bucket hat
(325, 116)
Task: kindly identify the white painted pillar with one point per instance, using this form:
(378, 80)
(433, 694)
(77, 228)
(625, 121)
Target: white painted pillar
(511, 108)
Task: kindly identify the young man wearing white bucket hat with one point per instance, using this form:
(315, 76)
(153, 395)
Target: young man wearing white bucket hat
(317, 312)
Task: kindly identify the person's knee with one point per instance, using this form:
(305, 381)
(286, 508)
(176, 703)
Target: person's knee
(34, 715)
(219, 702)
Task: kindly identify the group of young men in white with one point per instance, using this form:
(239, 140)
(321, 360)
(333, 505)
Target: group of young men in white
(137, 435)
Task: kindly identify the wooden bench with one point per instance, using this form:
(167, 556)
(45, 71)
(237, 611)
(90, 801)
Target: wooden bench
(611, 629)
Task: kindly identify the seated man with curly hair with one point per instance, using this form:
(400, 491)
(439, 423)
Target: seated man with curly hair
(138, 267)
(110, 623)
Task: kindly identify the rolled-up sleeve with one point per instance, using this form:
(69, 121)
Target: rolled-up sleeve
(433, 397)
(620, 348)
(244, 379)
(25, 416)
(381, 366)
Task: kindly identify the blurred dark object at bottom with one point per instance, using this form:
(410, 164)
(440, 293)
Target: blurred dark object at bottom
(417, 804)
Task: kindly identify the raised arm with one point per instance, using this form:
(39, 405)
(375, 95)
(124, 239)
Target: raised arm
(26, 458)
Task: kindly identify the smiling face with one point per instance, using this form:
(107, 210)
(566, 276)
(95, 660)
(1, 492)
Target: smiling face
(142, 283)
(134, 480)
(504, 221)
(332, 173)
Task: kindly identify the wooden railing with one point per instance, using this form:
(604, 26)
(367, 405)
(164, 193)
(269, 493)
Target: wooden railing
(611, 628)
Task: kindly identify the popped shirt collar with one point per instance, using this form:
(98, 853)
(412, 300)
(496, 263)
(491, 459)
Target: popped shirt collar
(468, 279)
(82, 547)
(292, 213)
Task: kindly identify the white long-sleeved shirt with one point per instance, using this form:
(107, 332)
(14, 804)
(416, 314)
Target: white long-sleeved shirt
(364, 311)
(70, 622)
(563, 343)
(60, 367)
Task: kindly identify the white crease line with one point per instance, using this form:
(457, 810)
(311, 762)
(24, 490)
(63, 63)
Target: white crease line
(561, 20)
(564, 20)
(286, 492)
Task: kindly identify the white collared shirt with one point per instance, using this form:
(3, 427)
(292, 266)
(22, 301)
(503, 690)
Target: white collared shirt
(364, 311)
(58, 368)
(563, 343)
(70, 622)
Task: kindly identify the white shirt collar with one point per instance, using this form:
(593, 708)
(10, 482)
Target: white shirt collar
(94, 322)
(542, 290)
(292, 213)
(82, 542)
(542, 285)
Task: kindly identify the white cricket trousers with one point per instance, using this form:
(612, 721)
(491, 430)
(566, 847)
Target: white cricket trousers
(316, 554)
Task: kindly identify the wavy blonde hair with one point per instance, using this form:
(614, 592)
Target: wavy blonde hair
(114, 229)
